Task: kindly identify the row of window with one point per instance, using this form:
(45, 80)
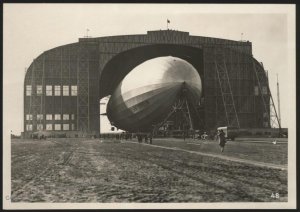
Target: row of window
(264, 90)
(49, 127)
(49, 91)
(50, 116)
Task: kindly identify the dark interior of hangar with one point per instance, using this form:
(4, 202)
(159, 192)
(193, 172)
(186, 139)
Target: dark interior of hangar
(120, 65)
(148, 94)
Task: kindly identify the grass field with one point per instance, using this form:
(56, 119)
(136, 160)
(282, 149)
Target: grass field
(77, 170)
(263, 151)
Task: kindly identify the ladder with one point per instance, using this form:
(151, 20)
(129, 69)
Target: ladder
(267, 99)
(227, 96)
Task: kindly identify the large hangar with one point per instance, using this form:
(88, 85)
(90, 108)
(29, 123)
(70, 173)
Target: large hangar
(63, 85)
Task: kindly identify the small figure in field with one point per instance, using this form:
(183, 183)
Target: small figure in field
(150, 138)
(146, 138)
(222, 140)
(204, 136)
(139, 136)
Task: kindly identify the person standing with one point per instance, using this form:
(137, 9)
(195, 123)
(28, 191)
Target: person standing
(150, 138)
(204, 136)
(222, 140)
(139, 136)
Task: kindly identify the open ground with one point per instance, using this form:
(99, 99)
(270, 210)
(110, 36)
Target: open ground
(170, 170)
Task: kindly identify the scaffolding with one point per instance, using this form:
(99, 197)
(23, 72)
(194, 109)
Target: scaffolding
(226, 93)
(83, 121)
(183, 107)
(266, 96)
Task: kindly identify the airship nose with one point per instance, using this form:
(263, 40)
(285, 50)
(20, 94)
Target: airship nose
(161, 70)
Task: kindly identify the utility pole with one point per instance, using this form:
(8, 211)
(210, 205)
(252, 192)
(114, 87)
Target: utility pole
(278, 99)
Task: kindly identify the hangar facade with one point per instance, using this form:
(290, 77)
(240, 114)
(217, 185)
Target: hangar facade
(63, 86)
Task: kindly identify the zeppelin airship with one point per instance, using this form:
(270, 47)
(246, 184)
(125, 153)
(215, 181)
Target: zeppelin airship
(146, 95)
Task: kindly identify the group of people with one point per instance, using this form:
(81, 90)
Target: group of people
(145, 136)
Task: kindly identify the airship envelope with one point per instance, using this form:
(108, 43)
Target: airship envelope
(146, 95)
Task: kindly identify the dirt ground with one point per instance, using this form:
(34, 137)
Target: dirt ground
(76, 170)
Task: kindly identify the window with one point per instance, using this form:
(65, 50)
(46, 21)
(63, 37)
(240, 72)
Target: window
(65, 126)
(264, 90)
(29, 117)
(72, 116)
(49, 117)
(39, 117)
(73, 126)
(48, 126)
(48, 90)
(65, 90)
(39, 127)
(74, 90)
(39, 90)
(66, 117)
(57, 117)
(28, 127)
(57, 90)
(256, 90)
(57, 127)
(28, 90)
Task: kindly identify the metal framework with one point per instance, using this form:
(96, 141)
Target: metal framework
(180, 106)
(227, 96)
(83, 122)
(267, 98)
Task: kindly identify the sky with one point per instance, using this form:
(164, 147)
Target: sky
(31, 29)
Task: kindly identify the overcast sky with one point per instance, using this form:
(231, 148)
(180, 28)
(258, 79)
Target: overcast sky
(30, 29)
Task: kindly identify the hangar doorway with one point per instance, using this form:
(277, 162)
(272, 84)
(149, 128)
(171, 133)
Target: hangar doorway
(121, 64)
